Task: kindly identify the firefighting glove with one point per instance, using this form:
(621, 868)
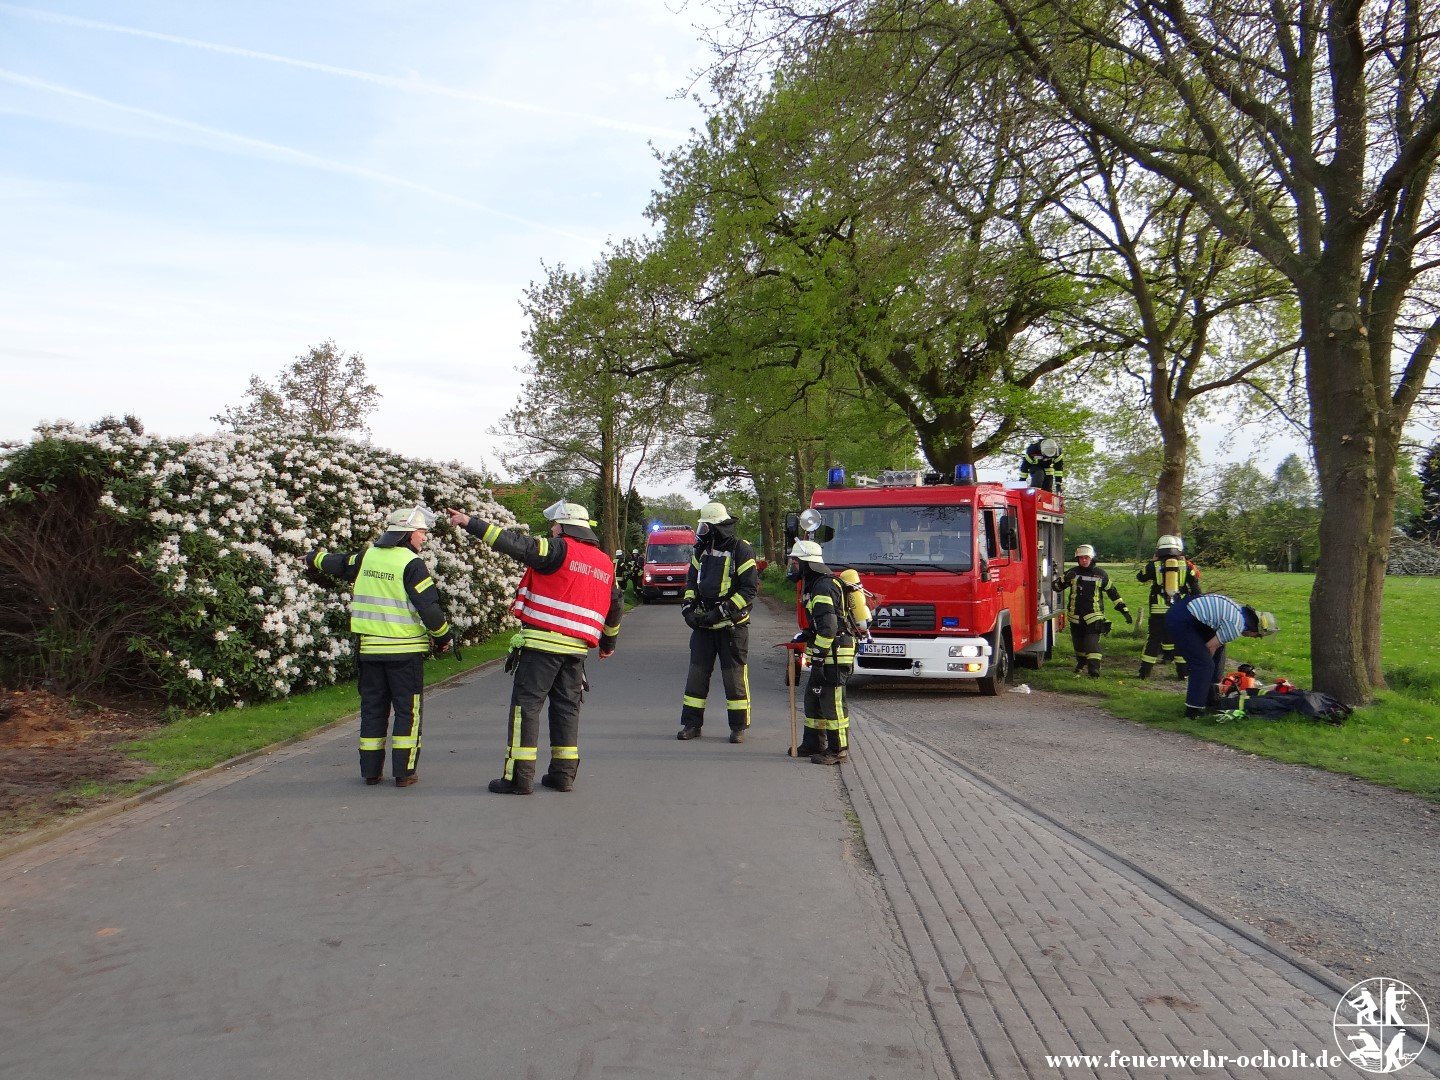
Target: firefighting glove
(440, 644)
(1126, 612)
(706, 620)
(687, 612)
(806, 636)
(516, 644)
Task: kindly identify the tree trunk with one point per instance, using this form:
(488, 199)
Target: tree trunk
(1343, 427)
(607, 513)
(1170, 485)
(1382, 523)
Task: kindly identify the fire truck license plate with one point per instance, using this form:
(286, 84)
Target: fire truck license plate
(874, 649)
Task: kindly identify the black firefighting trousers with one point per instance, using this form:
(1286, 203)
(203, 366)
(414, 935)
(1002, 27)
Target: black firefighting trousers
(398, 684)
(1086, 637)
(1159, 649)
(560, 678)
(731, 646)
(827, 714)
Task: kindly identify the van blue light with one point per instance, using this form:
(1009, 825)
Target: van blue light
(836, 477)
(965, 473)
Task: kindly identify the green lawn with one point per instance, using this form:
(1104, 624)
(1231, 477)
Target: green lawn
(1394, 741)
(198, 742)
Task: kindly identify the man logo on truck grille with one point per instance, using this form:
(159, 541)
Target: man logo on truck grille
(1381, 1025)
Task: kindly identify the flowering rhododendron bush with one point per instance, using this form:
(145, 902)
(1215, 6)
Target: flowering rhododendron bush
(175, 566)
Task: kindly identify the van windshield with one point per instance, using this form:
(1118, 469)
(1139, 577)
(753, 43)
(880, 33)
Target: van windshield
(669, 553)
(900, 537)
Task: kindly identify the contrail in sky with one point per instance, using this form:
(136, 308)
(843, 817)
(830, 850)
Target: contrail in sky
(260, 148)
(408, 85)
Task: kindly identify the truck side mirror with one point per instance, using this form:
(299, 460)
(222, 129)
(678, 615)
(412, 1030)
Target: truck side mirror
(792, 530)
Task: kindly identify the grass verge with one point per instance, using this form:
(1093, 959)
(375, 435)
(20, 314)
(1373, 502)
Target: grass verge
(198, 742)
(1394, 741)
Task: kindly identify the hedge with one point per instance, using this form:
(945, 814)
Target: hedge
(174, 567)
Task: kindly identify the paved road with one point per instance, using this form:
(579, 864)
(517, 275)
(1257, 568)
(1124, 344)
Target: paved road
(1341, 871)
(690, 910)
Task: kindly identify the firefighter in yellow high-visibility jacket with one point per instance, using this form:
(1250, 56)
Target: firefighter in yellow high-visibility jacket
(396, 610)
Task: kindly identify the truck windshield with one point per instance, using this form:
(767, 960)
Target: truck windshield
(669, 553)
(900, 537)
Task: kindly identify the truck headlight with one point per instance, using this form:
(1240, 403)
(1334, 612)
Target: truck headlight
(964, 650)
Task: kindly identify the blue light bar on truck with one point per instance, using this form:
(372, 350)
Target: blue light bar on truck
(965, 474)
(836, 477)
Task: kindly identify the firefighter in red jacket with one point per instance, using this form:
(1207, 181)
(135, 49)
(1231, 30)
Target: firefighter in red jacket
(1170, 576)
(396, 611)
(568, 603)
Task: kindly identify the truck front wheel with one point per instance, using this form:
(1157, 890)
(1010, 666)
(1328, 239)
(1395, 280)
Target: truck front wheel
(1000, 663)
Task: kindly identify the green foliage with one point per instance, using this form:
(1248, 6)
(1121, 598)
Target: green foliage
(1255, 521)
(322, 392)
(1424, 518)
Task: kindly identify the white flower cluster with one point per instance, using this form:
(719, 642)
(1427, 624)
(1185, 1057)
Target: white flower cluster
(222, 524)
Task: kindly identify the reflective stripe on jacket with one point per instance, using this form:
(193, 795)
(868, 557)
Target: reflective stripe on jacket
(565, 611)
(380, 610)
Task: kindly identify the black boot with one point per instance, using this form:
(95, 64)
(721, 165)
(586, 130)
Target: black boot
(812, 742)
(1191, 712)
(1079, 666)
(687, 733)
(558, 781)
(1180, 672)
(1094, 669)
(832, 754)
(1145, 668)
(522, 780)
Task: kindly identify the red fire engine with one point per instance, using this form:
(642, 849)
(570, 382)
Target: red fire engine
(959, 572)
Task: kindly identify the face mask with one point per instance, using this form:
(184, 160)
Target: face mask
(702, 529)
(793, 572)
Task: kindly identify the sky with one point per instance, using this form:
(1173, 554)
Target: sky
(195, 192)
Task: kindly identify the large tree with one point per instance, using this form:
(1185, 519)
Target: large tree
(585, 415)
(1306, 132)
(322, 392)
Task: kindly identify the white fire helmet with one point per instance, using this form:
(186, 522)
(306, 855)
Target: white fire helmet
(1169, 541)
(568, 513)
(410, 519)
(1049, 448)
(1085, 551)
(807, 551)
(713, 514)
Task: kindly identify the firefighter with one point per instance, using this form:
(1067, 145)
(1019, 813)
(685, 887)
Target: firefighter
(830, 638)
(720, 592)
(395, 609)
(1043, 466)
(1171, 576)
(1201, 627)
(1089, 586)
(635, 571)
(568, 603)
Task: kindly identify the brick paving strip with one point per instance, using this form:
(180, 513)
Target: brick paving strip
(1030, 941)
